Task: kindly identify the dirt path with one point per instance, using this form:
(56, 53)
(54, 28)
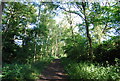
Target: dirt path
(53, 71)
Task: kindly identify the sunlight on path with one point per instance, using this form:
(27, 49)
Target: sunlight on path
(53, 71)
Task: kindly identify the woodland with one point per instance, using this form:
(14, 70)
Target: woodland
(84, 36)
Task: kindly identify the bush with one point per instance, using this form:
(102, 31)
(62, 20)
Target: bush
(90, 71)
(24, 72)
(18, 72)
(108, 51)
(76, 49)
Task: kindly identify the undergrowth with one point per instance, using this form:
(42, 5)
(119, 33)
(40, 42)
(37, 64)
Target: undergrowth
(91, 71)
(24, 72)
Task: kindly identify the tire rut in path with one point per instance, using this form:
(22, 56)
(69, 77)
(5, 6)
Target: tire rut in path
(53, 71)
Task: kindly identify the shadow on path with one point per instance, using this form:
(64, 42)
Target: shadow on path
(53, 71)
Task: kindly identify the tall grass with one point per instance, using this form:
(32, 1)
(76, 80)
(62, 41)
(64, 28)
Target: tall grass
(91, 71)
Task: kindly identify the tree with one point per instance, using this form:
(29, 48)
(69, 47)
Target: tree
(16, 17)
(82, 6)
(94, 16)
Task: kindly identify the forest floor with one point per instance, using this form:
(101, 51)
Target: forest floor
(54, 70)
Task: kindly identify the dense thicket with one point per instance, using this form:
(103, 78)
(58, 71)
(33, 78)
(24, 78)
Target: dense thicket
(108, 51)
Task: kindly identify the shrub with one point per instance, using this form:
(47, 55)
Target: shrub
(18, 72)
(91, 71)
(76, 49)
(108, 51)
(23, 72)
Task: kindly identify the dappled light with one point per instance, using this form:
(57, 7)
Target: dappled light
(45, 41)
(54, 71)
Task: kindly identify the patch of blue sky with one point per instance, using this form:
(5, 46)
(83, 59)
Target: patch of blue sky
(18, 42)
(31, 26)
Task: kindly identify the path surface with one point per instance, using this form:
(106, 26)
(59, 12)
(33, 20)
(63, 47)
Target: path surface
(53, 71)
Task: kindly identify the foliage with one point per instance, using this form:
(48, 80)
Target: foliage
(76, 49)
(46, 39)
(18, 72)
(105, 52)
(15, 18)
(24, 72)
(108, 51)
(91, 71)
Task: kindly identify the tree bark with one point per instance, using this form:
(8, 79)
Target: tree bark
(34, 51)
(87, 31)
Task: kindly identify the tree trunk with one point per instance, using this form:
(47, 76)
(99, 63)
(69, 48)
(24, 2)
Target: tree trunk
(35, 47)
(35, 52)
(87, 31)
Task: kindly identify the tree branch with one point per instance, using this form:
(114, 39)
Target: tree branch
(105, 28)
(72, 12)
